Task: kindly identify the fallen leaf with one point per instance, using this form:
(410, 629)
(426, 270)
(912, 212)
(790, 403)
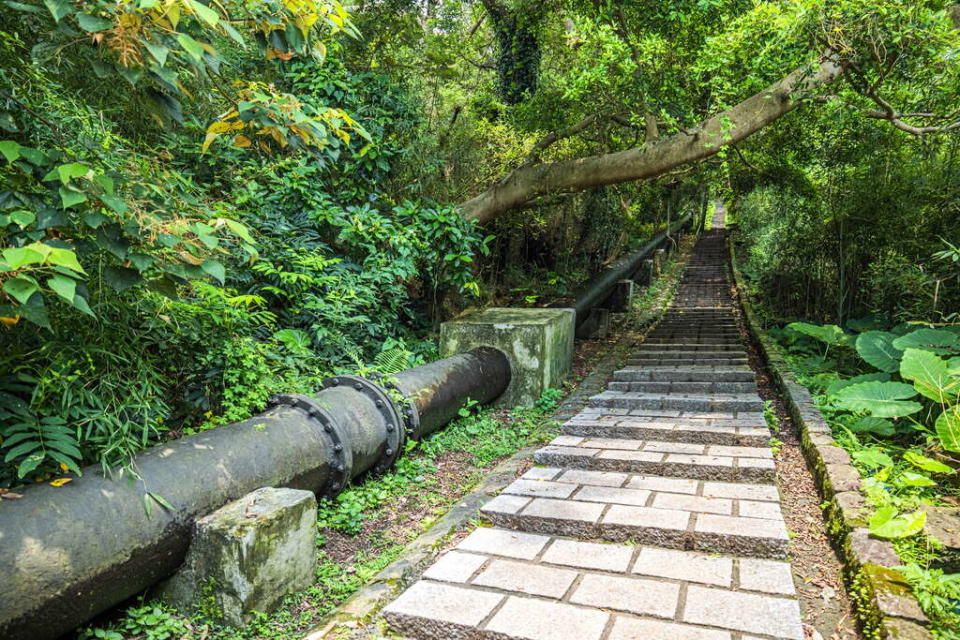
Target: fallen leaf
(12, 496)
(59, 482)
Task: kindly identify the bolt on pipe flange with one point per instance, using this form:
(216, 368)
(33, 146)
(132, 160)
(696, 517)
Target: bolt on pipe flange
(393, 420)
(411, 417)
(342, 462)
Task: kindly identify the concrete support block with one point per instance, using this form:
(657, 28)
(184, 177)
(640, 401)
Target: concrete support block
(538, 342)
(248, 555)
(621, 297)
(596, 326)
(659, 260)
(644, 275)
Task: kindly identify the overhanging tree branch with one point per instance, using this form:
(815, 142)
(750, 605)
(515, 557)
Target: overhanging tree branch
(658, 155)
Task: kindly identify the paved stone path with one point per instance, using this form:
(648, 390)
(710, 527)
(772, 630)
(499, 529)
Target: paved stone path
(654, 517)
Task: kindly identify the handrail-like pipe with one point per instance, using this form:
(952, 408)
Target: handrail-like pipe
(70, 553)
(597, 289)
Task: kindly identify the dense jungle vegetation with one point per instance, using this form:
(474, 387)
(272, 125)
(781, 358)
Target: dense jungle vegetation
(204, 202)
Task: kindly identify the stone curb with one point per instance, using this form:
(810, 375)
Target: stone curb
(359, 609)
(886, 607)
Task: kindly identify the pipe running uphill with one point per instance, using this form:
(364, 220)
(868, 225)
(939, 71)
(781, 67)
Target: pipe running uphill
(73, 552)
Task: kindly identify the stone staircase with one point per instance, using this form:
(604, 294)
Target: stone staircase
(653, 517)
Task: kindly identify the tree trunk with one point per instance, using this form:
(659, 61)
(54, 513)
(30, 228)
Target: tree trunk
(656, 156)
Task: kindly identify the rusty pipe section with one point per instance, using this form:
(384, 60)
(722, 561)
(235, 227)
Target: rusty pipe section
(436, 391)
(70, 553)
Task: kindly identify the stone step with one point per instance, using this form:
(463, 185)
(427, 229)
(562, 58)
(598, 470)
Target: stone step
(675, 361)
(724, 432)
(673, 459)
(683, 387)
(691, 346)
(746, 418)
(684, 374)
(500, 584)
(654, 352)
(678, 527)
(679, 402)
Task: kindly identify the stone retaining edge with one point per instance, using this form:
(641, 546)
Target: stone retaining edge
(885, 606)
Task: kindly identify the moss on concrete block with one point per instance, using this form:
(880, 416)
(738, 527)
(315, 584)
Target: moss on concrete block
(247, 556)
(538, 342)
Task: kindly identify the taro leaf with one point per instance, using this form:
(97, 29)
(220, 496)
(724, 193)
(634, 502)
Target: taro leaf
(885, 523)
(873, 458)
(953, 366)
(912, 479)
(948, 429)
(829, 333)
(876, 348)
(935, 340)
(925, 463)
(121, 278)
(877, 426)
(929, 375)
(879, 399)
(836, 386)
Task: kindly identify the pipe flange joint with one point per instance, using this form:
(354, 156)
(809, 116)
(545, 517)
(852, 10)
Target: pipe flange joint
(408, 410)
(341, 457)
(392, 418)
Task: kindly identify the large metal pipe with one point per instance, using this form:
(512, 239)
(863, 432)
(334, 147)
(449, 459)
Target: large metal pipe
(597, 289)
(70, 553)
(437, 390)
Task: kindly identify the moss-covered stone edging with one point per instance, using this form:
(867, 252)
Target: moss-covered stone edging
(885, 605)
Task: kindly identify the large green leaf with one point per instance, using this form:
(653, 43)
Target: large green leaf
(91, 23)
(836, 386)
(935, 340)
(121, 278)
(876, 348)
(948, 429)
(10, 150)
(869, 424)
(929, 374)
(829, 333)
(925, 463)
(873, 458)
(215, 269)
(21, 288)
(63, 286)
(879, 399)
(885, 523)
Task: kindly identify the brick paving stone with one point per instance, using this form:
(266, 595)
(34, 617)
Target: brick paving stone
(625, 628)
(692, 503)
(589, 555)
(441, 603)
(752, 509)
(564, 510)
(541, 473)
(767, 615)
(531, 619)
(455, 566)
(613, 495)
(506, 504)
(766, 575)
(501, 542)
(566, 441)
(540, 488)
(597, 478)
(630, 456)
(533, 579)
(745, 491)
(657, 483)
(674, 447)
(732, 525)
(634, 595)
(745, 452)
(685, 565)
(646, 517)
